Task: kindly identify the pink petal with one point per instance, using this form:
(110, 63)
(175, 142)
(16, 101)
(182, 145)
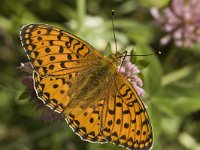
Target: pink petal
(138, 80)
(179, 43)
(169, 27)
(165, 39)
(139, 90)
(155, 13)
(178, 7)
(122, 69)
(172, 18)
(178, 34)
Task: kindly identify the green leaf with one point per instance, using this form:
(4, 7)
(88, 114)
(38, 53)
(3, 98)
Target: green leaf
(153, 73)
(177, 99)
(136, 31)
(108, 50)
(141, 76)
(141, 64)
(177, 75)
(155, 117)
(24, 95)
(196, 48)
(127, 7)
(133, 58)
(155, 3)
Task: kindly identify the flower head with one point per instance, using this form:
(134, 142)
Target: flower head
(131, 71)
(181, 21)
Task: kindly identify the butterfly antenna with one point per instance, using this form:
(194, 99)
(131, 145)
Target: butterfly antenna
(113, 25)
(159, 52)
(125, 54)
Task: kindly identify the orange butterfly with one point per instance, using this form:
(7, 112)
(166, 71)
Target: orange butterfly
(72, 77)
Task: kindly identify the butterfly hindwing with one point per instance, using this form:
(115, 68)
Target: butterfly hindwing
(52, 91)
(86, 124)
(124, 118)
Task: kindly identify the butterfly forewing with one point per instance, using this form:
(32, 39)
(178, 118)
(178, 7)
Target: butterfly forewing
(56, 52)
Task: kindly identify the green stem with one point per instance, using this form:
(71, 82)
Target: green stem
(81, 12)
(176, 75)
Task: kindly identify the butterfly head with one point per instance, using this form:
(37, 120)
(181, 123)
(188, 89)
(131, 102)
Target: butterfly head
(116, 58)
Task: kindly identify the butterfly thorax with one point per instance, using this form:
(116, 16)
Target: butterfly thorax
(91, 84)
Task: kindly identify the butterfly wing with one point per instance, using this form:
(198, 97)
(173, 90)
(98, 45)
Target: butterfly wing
(124, 119)
(55, 52)
(57, 58)
(86, 123)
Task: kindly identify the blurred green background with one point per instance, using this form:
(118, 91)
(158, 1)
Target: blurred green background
(171, 81)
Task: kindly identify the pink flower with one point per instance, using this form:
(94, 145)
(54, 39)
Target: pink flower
(47, 115)
(181, 22)
(131, 71)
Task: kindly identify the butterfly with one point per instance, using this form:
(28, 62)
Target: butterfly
(71, 77)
